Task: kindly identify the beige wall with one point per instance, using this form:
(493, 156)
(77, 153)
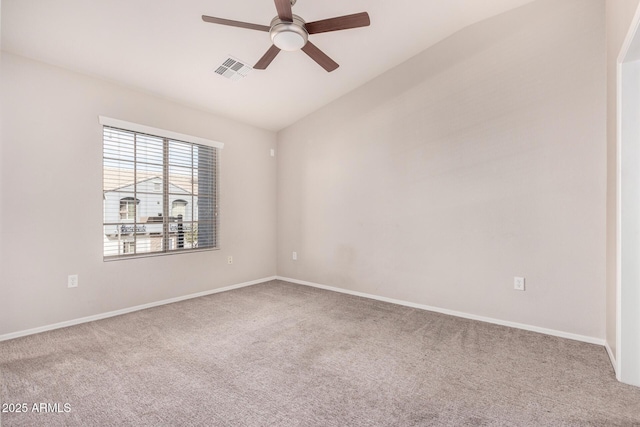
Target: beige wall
(480, 159)
(51, 197)
(619, 14)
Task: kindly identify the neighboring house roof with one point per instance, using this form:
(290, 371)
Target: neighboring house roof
(115, 179)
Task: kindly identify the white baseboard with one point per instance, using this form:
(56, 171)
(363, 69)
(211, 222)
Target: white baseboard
(531, 328)
(546, 331)
(128, 310)
(612, 358)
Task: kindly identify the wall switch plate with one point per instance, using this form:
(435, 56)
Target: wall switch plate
(294, 256)
(518, 283)
(72, 281)
(273, 152)
(229, 260)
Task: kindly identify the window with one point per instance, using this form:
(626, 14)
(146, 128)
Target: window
(128, 208)
(159, 190)
(128, 247)
(178, 208)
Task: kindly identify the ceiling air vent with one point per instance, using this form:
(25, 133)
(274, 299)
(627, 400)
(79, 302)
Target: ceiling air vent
(233, 69)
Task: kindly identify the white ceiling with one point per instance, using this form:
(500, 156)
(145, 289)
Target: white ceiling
(163, 47)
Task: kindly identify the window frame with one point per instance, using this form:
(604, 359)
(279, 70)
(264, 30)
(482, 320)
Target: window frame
(166, 236)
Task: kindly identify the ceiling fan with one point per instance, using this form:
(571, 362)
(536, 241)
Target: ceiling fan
(290, 32)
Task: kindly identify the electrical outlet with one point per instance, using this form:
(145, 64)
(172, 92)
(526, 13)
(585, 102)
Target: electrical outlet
(72, 281)
(229, 260)
(294, 256)
(518, 283)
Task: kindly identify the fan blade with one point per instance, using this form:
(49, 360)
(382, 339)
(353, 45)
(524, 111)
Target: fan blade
(231, 23)
(320, 57)
(284, 10)
(266, 59)
(340, 23)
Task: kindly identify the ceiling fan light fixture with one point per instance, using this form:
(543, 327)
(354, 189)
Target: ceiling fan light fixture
(289, 36)
(288, 40)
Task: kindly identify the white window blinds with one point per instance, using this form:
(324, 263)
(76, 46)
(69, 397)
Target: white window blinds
(160, 194)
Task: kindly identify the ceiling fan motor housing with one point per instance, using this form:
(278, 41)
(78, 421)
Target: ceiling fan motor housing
(289, 36)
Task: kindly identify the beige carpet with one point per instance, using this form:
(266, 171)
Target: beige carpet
(279, 354)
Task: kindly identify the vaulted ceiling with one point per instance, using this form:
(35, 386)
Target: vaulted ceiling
(163, 47)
